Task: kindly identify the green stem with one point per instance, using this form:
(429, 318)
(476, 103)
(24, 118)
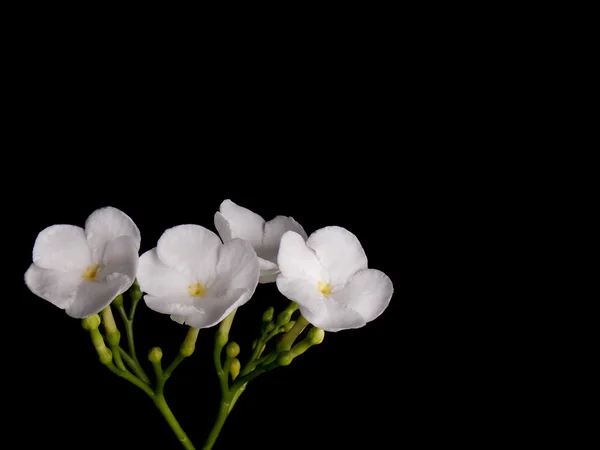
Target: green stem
(288, 338)
(178, 359)
(163, 407)
(216, 429)
(137, 367)
(131, 378)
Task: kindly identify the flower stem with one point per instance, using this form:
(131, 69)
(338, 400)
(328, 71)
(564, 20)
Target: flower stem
(137, 367)
(216, 429)
(163, 407)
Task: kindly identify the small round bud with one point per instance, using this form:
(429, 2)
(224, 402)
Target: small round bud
(118, 301)
(288, 326)
(91, 323)
(285, 359)
(268, 314)
(105, 355)
(315, 336)
(283, 317)
(269, 327)
(232, 349)
(113, 338)
(234, 368)
(155, 355)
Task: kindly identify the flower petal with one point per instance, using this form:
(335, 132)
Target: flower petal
(120, 257)
(238, 268)
(179, 319)
(268, 271)
(233, 221)
(303, 292)
(93, 296)
(368, 292)
(190, 249)
(339, 251)
(335, 317)
(107, 224)
(159, 280)
(296, 260)
(268, 276)
(215, 308)
(62, 247)
(57, 287)
(274, 229)
(179, 305)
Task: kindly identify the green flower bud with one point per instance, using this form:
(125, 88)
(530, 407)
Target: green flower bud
(97, 339)
(254, 344)
(285, 359)
(315, 336)
(113, 338)
(292, 307)
(91, 323)
(268, 314)
(283, 317)
(155, 355)
(234, 368)
(134, 292)
(118, 301)
(288, 326)
(187, 350)
(269, 327)
(232, 349)
(105, 355)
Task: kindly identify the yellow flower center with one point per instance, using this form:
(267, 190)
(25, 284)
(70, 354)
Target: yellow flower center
(90, 272)
(197, 290)
(325, 288)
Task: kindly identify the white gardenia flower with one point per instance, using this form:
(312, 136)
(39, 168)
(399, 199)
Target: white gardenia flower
(196, 278)
(233, 221)
(327, 276)
(83, 270)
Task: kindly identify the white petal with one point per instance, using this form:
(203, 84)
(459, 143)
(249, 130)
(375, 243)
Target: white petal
(107, 224)
(120, 257)
(336, 317)
(296, 260)
(268, 276)
(215, 308)
(190, 249)
(158, 280)
(303, 292)
(368, 292)
(237, 222)
(238, 268)
(179, 319)
(274, 229)
(93, 296)
(62, 247)
(268, 271)
(339, 252)
(57, 287)
(179, 305)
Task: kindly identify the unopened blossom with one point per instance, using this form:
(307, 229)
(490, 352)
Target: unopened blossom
(234, 221)
(196, 278)
(327, 276)
(81, 270)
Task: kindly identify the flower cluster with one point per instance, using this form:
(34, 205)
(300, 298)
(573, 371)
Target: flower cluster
(198, 278)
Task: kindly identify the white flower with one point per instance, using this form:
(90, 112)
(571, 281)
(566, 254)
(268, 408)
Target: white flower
(328, 277)
(233, 221)
(195, 278)
(82, 271)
